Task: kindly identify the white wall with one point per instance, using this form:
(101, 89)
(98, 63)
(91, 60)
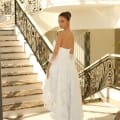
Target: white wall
(83, 17)
(102, 42)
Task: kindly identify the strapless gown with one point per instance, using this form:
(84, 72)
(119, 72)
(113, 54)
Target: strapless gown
(61, 92)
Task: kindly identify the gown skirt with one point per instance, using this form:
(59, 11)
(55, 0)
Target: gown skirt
(62, 94)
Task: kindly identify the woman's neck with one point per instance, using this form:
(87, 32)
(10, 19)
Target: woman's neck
(67, 29)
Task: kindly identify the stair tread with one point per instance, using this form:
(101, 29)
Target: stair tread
(16, 70)
(25, 111)
(13, 56)
(22, 105)
(8, 37)
(6, 52)
(24, 61)
(11, 52)
(16, 66)
(22, 87)
(9, 43)
(7, 32)
(15, 78)
(19, 82)
(13, 59)
(18, 74)
(22, 93)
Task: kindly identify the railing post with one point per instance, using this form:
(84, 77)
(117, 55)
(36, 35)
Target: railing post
(108, 94)
(1, 111)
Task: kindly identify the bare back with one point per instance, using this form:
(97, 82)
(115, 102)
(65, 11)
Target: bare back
(68, 40)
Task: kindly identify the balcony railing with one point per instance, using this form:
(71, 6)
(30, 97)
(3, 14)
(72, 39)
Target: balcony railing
(31, 5)
(6, 7)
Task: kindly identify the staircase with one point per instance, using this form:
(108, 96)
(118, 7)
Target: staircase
(21, 88)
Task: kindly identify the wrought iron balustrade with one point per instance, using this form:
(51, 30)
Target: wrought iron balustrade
(103, 73)
(36, 41)
(7, 7)
(31, 5)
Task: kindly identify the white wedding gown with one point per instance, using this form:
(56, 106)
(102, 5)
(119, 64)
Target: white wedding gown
(62, 94)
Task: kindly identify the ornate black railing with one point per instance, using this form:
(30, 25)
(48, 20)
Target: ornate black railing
(7, 7)
(103, 73)
(40, 46)
(1, 111)
(32, 5)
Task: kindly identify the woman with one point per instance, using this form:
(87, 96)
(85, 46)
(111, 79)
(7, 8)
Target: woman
(62, 95)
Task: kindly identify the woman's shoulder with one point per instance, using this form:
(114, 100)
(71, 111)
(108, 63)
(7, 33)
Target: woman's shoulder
(63, 33)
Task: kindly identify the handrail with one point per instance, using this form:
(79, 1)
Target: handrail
(100, 60)
(1, 111)
(96, 62)
(99, 75)
(38, 42)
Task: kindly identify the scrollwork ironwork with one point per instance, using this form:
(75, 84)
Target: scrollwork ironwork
(97, 77)
(32, 36)
(7, 7)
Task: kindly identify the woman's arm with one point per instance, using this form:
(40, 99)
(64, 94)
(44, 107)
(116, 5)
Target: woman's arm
(57, 46)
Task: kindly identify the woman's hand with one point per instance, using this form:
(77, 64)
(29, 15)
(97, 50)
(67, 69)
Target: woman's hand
(48, 69)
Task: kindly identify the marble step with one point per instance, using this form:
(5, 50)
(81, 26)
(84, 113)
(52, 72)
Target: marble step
(21, 93)
(7, 32)
(19, 82)
(15, 63)
(11, 37)
(9, 43)
(32, 86)
(15, 70)
(17, 74)
(20, 77)
(20, 99)
(23, 105)
(33, 109)
(11, 49)
(13, 56)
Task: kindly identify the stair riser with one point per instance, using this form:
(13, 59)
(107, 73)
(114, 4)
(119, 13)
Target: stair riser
(11, 49)
(7, 32)
(17, 70)
(23, 87)
(8, 38)
(13, 56)
(22, 77)
(21, 99)
(25, 111)
(10, 43)
(15, 62)
(19, 83)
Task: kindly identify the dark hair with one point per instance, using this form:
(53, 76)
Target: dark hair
(66, 15)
